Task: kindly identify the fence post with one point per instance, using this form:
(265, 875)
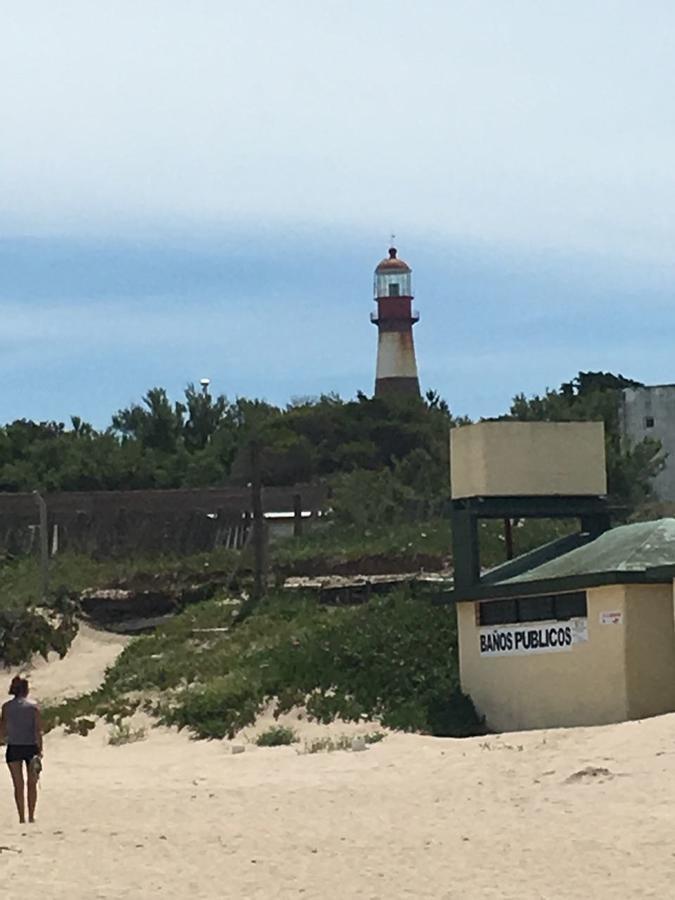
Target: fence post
(508, 538)
(297, 515)
(44, 544)
(258, 523)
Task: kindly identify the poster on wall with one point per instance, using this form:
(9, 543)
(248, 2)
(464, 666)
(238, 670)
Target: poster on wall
(611, 617)
(535, 637)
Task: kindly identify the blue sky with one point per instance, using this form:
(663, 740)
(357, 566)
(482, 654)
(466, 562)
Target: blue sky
(203, 189)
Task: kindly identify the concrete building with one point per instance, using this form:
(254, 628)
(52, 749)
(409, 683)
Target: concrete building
(396, 365)
(649, 412)
(585, 639)
(580, 631)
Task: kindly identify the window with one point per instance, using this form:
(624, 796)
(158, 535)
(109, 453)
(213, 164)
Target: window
(498, 612)
(570, 606)
(536, 609)
(395, 290)
(649, 421)
(532, 609)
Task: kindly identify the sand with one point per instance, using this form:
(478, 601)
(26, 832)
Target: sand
(560, 814)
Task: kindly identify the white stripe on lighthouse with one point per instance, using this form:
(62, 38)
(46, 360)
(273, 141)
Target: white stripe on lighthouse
(396, 355)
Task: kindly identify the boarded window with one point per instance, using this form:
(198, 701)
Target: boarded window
(499, 612)
(535, 609)
(570, 606)
(545, 607)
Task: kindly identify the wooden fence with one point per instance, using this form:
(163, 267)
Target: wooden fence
(116, 523)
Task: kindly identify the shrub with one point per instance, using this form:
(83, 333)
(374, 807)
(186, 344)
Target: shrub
(277, 736)
(79, 726)
(25, 632)
(392, 660)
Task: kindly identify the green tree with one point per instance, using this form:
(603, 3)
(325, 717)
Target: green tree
(595, 396)
(158, 424)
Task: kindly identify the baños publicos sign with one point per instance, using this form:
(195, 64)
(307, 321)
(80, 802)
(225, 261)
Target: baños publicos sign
(539, 637)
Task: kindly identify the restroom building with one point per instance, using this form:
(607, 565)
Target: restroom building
(584, 639)
(576, 632)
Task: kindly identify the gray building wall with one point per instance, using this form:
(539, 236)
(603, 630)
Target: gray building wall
(649, 412)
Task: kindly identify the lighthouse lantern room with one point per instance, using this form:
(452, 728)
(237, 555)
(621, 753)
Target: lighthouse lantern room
(395, 317)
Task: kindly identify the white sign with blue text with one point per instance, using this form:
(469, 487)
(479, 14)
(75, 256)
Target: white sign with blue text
(534, 637)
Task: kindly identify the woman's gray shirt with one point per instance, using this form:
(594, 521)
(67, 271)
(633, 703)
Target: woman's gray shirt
(21, 721)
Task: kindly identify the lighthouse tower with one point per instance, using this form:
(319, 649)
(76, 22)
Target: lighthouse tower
(395, 317)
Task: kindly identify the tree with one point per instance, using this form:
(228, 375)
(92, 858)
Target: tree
(206, 416)
(595, 396)
(157, 425)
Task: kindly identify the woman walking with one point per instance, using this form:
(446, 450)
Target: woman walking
(21, 727)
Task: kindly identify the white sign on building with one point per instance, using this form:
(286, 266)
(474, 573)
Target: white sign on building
(535, 637)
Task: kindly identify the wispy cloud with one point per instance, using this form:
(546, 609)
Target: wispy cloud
(524, 123)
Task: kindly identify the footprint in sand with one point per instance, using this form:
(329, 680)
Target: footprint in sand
(589, 774)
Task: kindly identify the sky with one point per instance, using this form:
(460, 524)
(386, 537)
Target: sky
(202, 188)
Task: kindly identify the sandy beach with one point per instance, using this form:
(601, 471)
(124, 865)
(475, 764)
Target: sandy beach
(511, 816)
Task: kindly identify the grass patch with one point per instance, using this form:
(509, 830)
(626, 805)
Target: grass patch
(277, 736)
(123, 733)
(334, 543)
(340, 742)
(327, 744)
(71, 573)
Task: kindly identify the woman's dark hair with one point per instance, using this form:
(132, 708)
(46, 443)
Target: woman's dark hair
(19, 686)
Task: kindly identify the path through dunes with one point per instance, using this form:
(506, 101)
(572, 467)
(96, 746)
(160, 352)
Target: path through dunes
(563, 814)
(80, 671)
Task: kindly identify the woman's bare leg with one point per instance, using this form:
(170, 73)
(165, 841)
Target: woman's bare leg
(32, 794)
(16, 771)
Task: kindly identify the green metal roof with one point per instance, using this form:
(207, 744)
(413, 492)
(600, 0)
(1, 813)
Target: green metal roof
(628, 548)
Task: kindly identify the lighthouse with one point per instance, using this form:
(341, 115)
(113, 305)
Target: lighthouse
(396, 366)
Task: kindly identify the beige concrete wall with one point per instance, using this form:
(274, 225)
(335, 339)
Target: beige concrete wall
(584, 685)
(528, 458)
(650, 649)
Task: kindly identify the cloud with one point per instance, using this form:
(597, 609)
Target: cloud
(517, 123)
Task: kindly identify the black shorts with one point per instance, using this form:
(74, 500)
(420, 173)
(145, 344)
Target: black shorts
(21, 752)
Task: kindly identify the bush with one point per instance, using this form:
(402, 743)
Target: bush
(27, 631)
(277, 736)
(392, 660)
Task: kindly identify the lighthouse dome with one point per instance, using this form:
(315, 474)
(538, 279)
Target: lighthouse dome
(393, 277)
(392, 263)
